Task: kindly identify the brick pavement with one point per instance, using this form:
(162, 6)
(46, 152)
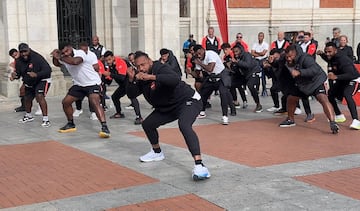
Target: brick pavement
(261, 142)
(300, 168)
(45, 171)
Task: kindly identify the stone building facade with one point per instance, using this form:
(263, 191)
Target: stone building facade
(128, 25)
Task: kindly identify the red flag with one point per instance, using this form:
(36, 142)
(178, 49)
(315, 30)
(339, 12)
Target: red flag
(221, 14)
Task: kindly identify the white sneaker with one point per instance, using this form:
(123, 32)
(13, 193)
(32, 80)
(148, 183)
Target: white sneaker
(93, 116)
(46, 124)
(152, 156)
(273, 109)
(297, 111)
(340, 118)
(225, 120)
(201, 115)
(355, 124)
(129, 107)
(200, 172)
(26, 119)
(38, 112)
(77, 113)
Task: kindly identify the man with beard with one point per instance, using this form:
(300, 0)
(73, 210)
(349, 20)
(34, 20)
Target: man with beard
(86, 83)
(36, 75)
(346, 84)
(250, 70)
(172, 99)
(219, 79)
(309, 79)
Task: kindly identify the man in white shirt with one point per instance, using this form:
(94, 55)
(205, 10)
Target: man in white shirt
(219, 78)
(86, 83)
(259, 52)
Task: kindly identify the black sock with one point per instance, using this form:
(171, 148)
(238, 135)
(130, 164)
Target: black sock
(157, 150)
(103, 124)
(198, 162)
(71, 122)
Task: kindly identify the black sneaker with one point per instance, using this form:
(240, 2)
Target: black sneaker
(334, 127)
(19, 109)
(208, 105)
(258, 108)
(280, 112)
(117, 116)
(309, 118)
(138, 121)
(105, 132)
(68, 128)
(287, 123)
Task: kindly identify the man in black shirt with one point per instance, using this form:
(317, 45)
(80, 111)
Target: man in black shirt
(36, 75)
(346, 84)
(172, 99)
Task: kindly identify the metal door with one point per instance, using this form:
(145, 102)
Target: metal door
(74, 21)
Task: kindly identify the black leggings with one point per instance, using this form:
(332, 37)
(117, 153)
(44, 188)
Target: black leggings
(225, 96)
(253, 84)
(186, 114)
(118, 93)
(240, 86)
(342, 89)
(136, 105)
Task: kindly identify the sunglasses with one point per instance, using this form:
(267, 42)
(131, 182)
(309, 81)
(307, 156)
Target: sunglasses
(239, 37)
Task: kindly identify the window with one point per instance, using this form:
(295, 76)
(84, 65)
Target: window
(133, 9)
(184, 8)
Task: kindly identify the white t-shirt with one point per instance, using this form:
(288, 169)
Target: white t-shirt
(92, 57)
(84, 73)
(212, 57)
(304, 46)
(257, 47)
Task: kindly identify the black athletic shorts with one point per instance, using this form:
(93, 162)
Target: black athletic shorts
(296, 92)
(40, 88)
(81, 91)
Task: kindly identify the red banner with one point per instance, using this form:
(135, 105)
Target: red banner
(221, 14)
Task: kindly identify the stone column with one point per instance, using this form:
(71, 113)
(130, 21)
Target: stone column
(33, 22)
(199, 13)
(159, 26)
(121, 27)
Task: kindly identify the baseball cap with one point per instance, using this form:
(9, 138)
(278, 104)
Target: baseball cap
(23, 47)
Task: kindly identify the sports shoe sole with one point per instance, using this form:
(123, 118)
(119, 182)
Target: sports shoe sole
(354, 127)
(310, 120)
(48, 125)
(292, 125)
(156, 159)
(67, 130)
(29, 120)
(104, 135)
(340, 120)
(197, 177)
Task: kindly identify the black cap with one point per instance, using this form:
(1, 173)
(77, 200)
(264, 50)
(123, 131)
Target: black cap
(23, 47)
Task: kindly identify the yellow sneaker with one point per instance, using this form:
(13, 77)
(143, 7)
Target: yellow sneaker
(68, 128)
(340, 118)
